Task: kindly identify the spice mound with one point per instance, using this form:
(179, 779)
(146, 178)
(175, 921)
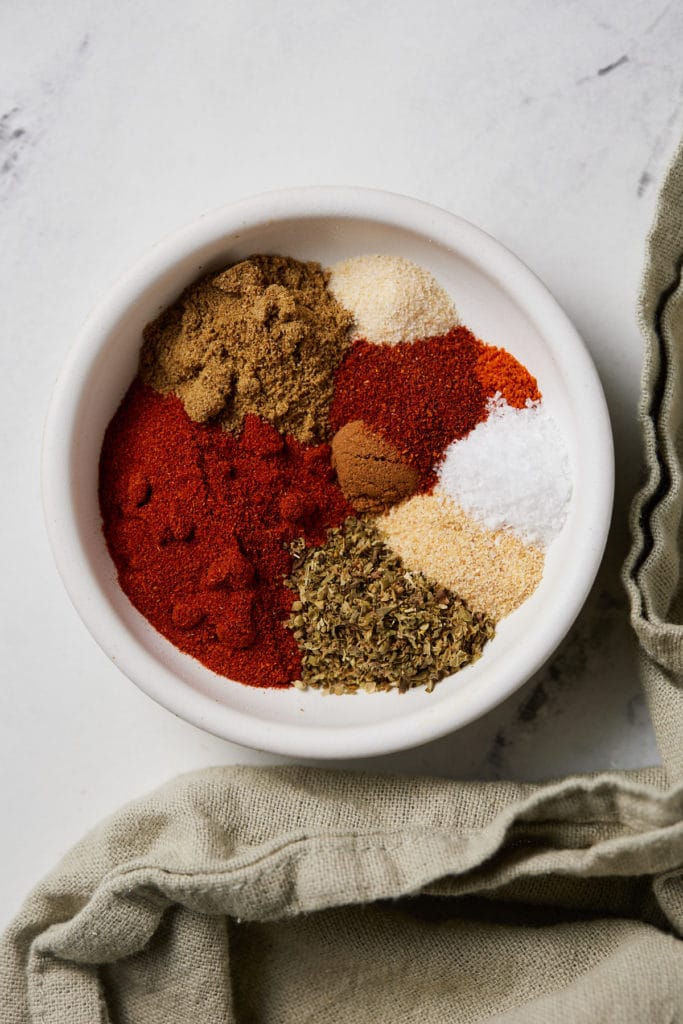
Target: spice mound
(198, 521)
(492, 570)
(419, 396)
(512, 472)
(364, 621)
(392, 299)
(369, 469)
(263, 337)
(320, 479)
(500, 374)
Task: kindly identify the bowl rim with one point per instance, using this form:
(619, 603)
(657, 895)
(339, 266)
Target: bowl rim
(132, 657)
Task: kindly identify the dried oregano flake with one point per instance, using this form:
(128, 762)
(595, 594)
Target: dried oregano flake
(363, 621)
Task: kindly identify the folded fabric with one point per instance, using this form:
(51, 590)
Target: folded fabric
(294, 895)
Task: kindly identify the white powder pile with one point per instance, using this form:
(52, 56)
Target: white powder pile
(392, 299)
(511, 472)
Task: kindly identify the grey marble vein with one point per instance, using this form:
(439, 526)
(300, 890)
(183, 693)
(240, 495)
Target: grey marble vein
(25, 123)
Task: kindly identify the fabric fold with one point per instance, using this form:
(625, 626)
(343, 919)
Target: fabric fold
(652, 573)
(231, 849)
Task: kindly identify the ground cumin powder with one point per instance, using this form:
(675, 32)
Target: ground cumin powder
(263, 337)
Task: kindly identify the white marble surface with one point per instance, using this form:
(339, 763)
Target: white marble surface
(548, 124)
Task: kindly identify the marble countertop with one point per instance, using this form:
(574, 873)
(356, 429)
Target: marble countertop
(549, 125)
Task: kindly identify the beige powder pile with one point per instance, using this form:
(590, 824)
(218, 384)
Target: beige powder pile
(392, 299)
(494, 572)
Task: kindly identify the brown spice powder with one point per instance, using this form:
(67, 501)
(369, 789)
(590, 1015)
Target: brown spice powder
(370, 470)
(264, 336)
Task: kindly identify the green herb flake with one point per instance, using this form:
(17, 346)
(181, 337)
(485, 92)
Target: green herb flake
(365, 622)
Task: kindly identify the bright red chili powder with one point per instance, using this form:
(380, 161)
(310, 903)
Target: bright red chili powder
(498, 371)
(197, 521)
(419, 395)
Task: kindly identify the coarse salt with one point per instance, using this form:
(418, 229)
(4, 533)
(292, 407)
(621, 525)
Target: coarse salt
(512, 472)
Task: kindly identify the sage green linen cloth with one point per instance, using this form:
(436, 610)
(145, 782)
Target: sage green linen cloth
(294, 894)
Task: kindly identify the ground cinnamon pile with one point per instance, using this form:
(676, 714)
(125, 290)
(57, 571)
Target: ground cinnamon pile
(263, 337)
(370, 470)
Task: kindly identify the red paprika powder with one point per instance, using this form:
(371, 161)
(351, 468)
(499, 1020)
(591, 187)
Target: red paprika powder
(198, 521)
(420, 395)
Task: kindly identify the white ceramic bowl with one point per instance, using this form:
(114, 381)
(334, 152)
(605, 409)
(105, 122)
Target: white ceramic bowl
(497, 297)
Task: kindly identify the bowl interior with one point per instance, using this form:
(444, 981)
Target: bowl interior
(501, 302)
